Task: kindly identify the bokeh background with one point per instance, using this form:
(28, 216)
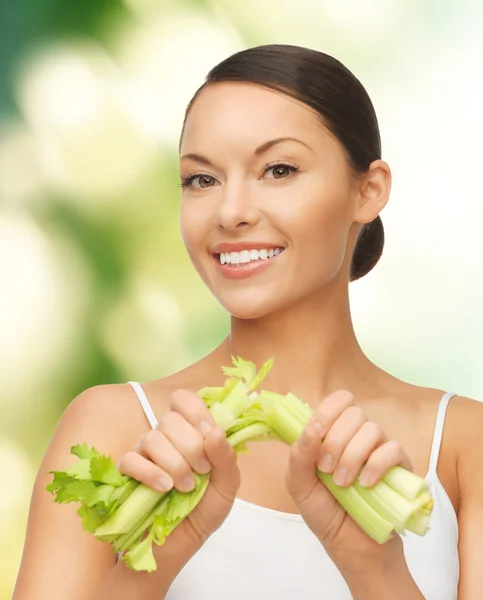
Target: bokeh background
(95, 284)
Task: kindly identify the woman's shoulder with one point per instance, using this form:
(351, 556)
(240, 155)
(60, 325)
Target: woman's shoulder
(107, 416)
(113, 414)
(465, 424)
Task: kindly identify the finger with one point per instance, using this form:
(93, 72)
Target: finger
(225, 475)
(332, 407)
(155, 446)
(338, 436)
(191, 407)
(186, 439)
(301, 477)
(357, 451)
(381, 460)
(136, 466)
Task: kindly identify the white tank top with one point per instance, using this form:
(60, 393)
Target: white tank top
(260, 553)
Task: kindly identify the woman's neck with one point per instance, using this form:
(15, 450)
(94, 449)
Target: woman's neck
(315, 351)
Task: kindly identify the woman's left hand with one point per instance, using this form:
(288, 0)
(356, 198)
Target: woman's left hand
(353, 442)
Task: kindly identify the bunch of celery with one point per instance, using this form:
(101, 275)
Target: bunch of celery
(131, 516)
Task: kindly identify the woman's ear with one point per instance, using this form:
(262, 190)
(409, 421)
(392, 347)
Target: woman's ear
(373, 192)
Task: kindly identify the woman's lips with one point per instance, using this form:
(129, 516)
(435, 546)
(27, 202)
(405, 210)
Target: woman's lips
(243, 270)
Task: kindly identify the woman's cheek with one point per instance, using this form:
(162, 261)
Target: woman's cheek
(191, 228)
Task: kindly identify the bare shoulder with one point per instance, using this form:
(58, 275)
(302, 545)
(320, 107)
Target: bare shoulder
(465, 425)
(462, 448)
(112, 413)
(109, 415)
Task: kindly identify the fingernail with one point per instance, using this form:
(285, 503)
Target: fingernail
(319, 428)
(204, 466)
(366, 478)
(188, 483)
(340, 477)
(326, 463)
(164, 484)
(205, 427)
(305, 440)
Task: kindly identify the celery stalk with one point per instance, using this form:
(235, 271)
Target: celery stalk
(250, 433)
(141, 502)
(376, 526)
(392, 506)
(406, 483)
(418, 523)
(125, 541)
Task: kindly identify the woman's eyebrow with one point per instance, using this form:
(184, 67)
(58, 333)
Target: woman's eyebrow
(258, 152)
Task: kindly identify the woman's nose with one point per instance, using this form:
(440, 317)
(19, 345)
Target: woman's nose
(236, 209)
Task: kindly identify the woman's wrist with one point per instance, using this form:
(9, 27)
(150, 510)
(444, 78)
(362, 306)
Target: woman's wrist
(124, 583)
(393, 582)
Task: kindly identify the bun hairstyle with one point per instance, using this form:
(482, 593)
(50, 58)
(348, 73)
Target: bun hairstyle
(339, 99)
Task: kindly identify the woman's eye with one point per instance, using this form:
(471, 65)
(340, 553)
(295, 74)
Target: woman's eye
(204, 181)
(281, 170)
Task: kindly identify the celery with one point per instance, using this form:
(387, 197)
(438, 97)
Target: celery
(131, 516)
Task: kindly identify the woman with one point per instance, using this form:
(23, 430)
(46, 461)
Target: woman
(283, 183)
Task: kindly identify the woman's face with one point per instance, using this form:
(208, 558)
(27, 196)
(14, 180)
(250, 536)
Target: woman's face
(246, 198)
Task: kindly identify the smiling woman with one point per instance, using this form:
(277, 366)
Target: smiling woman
(282, 187)
(319, 144)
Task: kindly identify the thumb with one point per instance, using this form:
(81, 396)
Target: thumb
(225, 475)
(301, 479)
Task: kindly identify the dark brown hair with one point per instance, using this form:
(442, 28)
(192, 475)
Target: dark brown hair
(324, 84)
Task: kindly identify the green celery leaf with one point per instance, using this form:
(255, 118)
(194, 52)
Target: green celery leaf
(211, 394)
(83, 451)
(104, 470)
(217, 394)
(100, 496)
(141, 557)
(59, 481)
(74, 491)
(80, 469)
(80, 491)
(92, 518)
(262, 373)
(161, 528)
(243, 369)
(181, 504)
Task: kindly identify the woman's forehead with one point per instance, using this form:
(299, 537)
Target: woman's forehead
(247, 111)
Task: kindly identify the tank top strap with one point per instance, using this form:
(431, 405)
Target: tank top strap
(143, 399)
(438, 432)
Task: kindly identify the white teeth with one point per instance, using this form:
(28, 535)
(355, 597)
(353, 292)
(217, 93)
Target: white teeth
(246, 256)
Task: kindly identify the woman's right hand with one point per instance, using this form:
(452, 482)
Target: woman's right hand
(187, 439)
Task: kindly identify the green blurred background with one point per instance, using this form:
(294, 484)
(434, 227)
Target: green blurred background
(95, 284)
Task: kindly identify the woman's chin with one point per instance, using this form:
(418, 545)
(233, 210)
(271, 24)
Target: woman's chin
(249, 309)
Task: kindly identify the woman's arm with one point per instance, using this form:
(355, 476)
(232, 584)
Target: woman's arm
(396, 584)
(60, 560)
(469, 423)
(122, 583)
